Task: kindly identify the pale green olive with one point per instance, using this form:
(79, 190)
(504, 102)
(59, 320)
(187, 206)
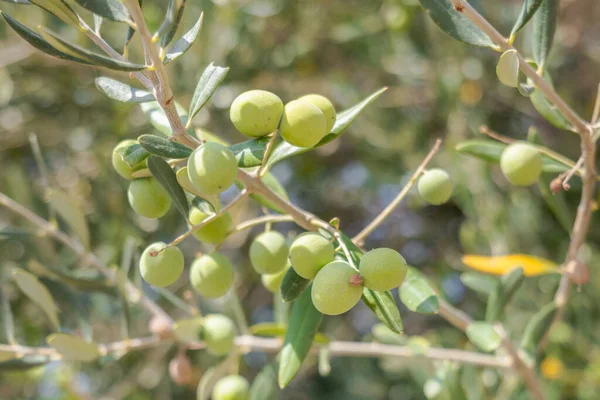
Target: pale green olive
(382, 269)
(148, 198)
(435, 186)
(269, 252)
(211, 275)
(336, 288)
(325, 106)
(521, 163)
(218, 332)
(231, 387)
(215, 231)
(309, 253)
(212, 168)
(272, 282)
(160, 265)
(303, 124)
(256, 113)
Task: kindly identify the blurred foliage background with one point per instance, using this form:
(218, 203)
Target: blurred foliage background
(343, 49)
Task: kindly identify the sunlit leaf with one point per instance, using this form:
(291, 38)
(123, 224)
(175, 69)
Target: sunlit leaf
(114, 10)
(484, 336)
(208, 83)
(38, 293)
(499, 265)
(73, 348)
(122, 92)
(169, 26)
(264, 386)
(527, 11)
(417, 295)
(250, 152)
(163, 147)
(385, 309)
(544, 28)
(58, 8)
(185, 43)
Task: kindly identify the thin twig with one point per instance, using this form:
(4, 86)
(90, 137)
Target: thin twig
(262, 171)
(250, 223)
(378, 220)
(569, 174)
(596, 113)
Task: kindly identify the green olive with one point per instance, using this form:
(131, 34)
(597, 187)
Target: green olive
(334, 290)
(117, 161)
(303, 124)
(521, 163)
(256, 113)
(309, 253)
(272, 282)
(435, 186)
(212, 168)
(211, 275)
(269, 252)
(325, 106)
(231, 387)
(215, 231)
(148, 198)
(160, 265)
(218, 332)
(382, 269)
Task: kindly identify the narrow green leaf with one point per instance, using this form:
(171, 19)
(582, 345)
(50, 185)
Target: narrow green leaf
(90, 57)
(130, 32)
(169, 26)
(502, 293)
(38, 293)
(26, 2)
(484, 336)
(264, 386)
(544, 28)
(557, 203)
(292, 285)
(165, 175)
(185, 43)
(480, 283)
(158, 118)
(417, 295)
(163, 147)
(38, 42)
(211, 79)
(84, 280)
(71, 213)
(527, 11)
(114, 10)
(304, 323)
(25, 363)
(455, 23)
(454, 382)
(343, 121)
(250, 153)
(508, 68)
(59, 8)
(122, 92)
(133, 155)
(537, 327)
(384, 307)
(73, 348)
(11, 232)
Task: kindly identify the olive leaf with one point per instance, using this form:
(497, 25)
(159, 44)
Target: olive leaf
(122, 92)
(71, 213)
(169, 26)
(73, 348)
(25, 363)
(163, 147)
(114, 10)
(527, 12)
(165, 175)
(185, 43)
(133, 155)
(264, 385)
(480, 283)
(38, 293)
(209, 81)
(537, 327)
(250, 153)
(483, 335)
(59, 8)
(504, 290)
(292, 285)
(385, 309)
(417, 295)
(544, 28)
(508, 68)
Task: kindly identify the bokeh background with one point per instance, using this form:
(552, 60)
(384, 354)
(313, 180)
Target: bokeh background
(344, 49)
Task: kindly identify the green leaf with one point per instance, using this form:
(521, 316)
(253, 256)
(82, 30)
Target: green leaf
(304, 323)
(158, 118)
(211, 79)
(73, 348)
(537, 327)
(84, 280)
(343, 121)
(503, 292)
(71, 213)
(384, 307)
(544, 28)
(59, 8)
(165, 175)
(508, 68)
(484, 336)
(169, 26)
(163, 147)
(264, 385)
(480, 283)
(250, 153)
(527, 11)
(454, 382)
(184, 44)
(38, 42)
(25, 363)
(455, 23)
(278, 330)
(417, 295)
(133, 155)
(122, 92)
(38, 293)
(491, 151)
(292, 285)
(27, 2)
(90, 57)
(272, 183)
(114, 10)
(557, 203)
(130, 32)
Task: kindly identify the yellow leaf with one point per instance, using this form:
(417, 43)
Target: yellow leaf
(499, 265)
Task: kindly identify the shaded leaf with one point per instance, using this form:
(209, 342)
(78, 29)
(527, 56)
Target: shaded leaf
(162, 147)
(264, 386)
(250, 153)
(73, 348)
(25, 363)
(499, 265)
(38, 293)
(165, 175)
(133, 155)
(384, 307)
(184, 44)
(417, 295)
(114, 10)
(59, 8)
(537, 327)
(544, 28)
(508, 68)
(169, 26)
(304, 323)
(122, 92)
(292, 285)
(480, 283)
(71, 213)
(484, 336)
(454, 382)
(504, 291)
(211, 79)
(455, 23)
(527, 11)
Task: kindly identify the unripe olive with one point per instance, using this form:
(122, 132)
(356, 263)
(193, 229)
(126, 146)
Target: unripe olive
(272, 282)
(231, 387)
(215, 231)
(256, 113)
(212, 168)
(382, 269)
(521, 163)
(303, 124)
(117, 161)
(269, 253)
(161, 265)
(336, 288)
(148, 198)
(218, 332)
(309, 253)
(435, 186)
(325, 106)
(211, 275)
(180, 369)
